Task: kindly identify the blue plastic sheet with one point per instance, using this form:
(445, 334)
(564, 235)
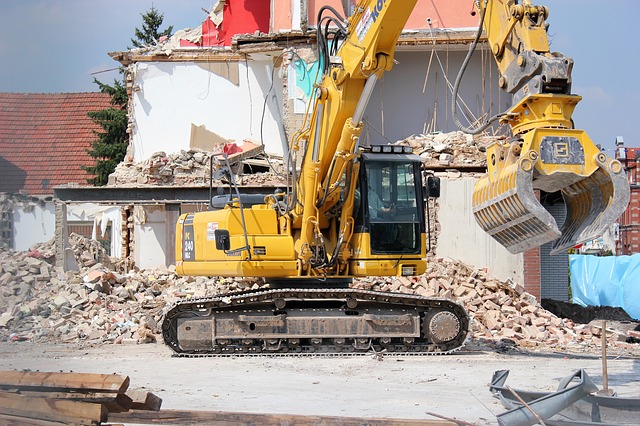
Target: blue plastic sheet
(606, 281)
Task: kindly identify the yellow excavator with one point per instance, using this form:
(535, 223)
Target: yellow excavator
(355, 211)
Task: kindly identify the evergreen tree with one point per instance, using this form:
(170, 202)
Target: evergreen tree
(150, 32)
(111, 144)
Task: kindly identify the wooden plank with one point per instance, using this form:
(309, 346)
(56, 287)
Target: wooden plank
(6, 420)
(115, 402)
(55, 410)
(78, 382)
(143, 400)
(183, 417)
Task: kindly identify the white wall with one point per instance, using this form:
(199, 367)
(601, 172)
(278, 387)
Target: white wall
(154, 233)
(408, 101)
(170, 96)
(32, 224)
(461, 238)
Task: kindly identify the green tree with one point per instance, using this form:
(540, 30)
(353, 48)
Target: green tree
(110, 145)
(150, 32)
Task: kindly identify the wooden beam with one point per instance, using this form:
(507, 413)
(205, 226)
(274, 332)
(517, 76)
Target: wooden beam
(55, 410)
(143, 400)
(183, 417)
(6, 420)
(63, 382)
(115, 402)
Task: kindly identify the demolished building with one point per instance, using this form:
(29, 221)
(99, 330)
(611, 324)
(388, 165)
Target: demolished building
(202, 88)
(244, 77)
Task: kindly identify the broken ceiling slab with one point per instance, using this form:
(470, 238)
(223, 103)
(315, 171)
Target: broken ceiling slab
(243, 44)
(205, 139)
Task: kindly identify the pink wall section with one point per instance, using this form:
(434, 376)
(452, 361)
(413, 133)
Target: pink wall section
(247, 16)
(282, 15)
(443, 13)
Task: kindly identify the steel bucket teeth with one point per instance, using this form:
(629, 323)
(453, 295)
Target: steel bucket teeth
(593, 204)
(510, 212)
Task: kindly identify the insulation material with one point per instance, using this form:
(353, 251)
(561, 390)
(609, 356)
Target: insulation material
(227, 70)
(606, 281)
(102, 218)
(205, 139)
(140, 215)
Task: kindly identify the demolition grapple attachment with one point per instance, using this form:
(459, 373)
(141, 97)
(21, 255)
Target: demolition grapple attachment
(506, 203)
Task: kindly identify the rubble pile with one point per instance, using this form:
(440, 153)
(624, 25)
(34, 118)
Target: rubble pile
(97, 305)
(93, 305)
(185, 168)
(500, 311)
(454, 149)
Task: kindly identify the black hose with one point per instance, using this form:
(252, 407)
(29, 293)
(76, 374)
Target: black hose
(456, 86)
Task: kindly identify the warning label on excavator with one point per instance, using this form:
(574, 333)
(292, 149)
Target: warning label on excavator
(211, 231)
(364, 25)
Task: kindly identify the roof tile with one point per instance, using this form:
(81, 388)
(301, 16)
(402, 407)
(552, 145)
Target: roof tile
(45, 136)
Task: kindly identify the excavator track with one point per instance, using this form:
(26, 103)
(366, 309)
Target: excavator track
(329, 322)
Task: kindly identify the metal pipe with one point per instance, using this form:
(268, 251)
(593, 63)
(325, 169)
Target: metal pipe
(364, 99)
(316, 139)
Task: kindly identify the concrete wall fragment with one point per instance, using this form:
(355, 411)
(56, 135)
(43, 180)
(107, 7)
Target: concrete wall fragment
(462, 239)
(171, 96)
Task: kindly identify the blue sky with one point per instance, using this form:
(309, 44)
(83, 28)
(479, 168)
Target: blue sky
(55, 45)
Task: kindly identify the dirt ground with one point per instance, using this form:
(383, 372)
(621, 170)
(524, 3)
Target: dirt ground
(404, 387)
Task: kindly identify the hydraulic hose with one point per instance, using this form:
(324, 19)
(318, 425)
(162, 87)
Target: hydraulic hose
(456, 86)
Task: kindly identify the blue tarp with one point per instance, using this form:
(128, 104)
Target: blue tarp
(606, 281)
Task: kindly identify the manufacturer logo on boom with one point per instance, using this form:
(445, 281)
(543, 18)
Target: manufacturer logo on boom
(377, 8)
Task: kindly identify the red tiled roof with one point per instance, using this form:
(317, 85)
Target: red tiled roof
(44, 139)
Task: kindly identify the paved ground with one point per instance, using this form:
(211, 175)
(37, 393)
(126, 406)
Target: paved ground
(455, 386)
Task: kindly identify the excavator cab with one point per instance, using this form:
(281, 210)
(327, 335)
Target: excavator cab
(389, 209)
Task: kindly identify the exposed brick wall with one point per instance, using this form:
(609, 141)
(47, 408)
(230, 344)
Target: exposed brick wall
(554, 270)
(532, 272)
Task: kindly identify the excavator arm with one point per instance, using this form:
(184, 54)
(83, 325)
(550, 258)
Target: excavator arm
(545, 152)
(329, 145)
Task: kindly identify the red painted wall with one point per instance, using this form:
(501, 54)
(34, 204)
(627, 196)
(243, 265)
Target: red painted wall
(239, 17)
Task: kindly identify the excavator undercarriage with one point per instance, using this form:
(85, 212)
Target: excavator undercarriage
(315, 321)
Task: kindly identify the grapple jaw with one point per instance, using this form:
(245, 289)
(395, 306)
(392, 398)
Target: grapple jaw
(593, 204)
(594, 188)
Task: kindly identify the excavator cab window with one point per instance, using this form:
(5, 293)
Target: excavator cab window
(390, 208)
